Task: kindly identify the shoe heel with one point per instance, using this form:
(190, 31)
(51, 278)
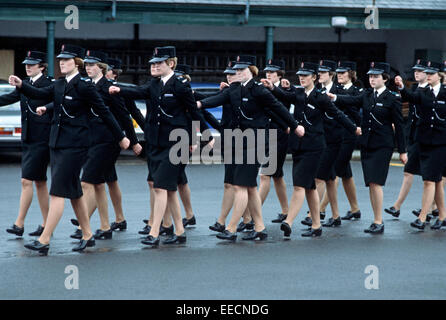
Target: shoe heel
(262, 236)
(182, 239)
(317, 233)
(44, 252)
(108, 236)
(357, 215)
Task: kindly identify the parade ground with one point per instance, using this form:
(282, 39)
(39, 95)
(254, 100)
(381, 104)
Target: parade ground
(404, 263)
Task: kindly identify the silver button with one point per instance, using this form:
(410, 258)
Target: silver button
(432, 118)
(158, 123)
(158, 114)
(370, 120)
(432, 125)
(370, 129)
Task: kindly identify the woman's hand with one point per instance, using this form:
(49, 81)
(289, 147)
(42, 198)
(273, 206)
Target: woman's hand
(358, 131)
(300, 131)
(199, 104)
(267, 83)
(331, 95)
(223, 85)
(403, 158)
(124, 143)
(114, 89)
(137, 149)
(399, 82)
(193, 148)
(15, 81)
(285, 83)
(40, 110)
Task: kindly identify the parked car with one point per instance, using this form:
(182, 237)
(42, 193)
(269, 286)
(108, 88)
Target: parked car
(10, 123)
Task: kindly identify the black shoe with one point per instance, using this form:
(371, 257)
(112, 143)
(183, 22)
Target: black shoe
(174, 239)
(37, 233)
(350, 215)
(189, 222)
(313, 233)
(84, 244)
(103, 235)
(37, 246)
(166, 231)
(307, 221)
(280, 217)
(393, 211)
(322, 215)
(438, 224)
(285, 227)
(418, 224)
(74, 222)
(77, 234)
(435, 213)
(253, 235)
(417, 214)
(375, 228)
(16, 230)
(227, 235)
(250, 226)
(151, 241)
(243, 226)
(145, 230)
(119, 225)
(146, 221)
(217, 227)
(332, 222)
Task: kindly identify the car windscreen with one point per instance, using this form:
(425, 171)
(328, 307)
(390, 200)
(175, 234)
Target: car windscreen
(12, 108)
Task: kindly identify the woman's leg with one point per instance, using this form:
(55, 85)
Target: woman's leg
(325, 200)
(43, 198)
(226, 205)
(297, 200)
(255, 208)
(376, 199)
(54, 214)
(404, 191)
(332, 195)
(26, 198)
(265, 186)
(313, 205)
(152, 202)
(80, 209)
(102, 204)
(439, 199)
(280, 186)
(175, 210)
(116, 198)
(239, 207)
(427, 198)
(350, 192)
(159, 209)
(184, 191)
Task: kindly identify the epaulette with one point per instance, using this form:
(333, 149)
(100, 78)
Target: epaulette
(49, 78)
(183, 80)
(396, 94)
(86, 79)
(361, 89)
(258, 83)
(298, 87)
(112, 81)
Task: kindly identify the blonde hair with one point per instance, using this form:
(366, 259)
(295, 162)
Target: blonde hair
(175, 62)
(254, 70)
(103, 67)
(442, 77)
(352, 75)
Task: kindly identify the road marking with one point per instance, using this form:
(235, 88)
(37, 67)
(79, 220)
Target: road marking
(396, 164)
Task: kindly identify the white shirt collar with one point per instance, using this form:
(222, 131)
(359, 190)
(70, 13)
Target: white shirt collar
(348, 85)
(68, 78)
(308, 93)
(328, 88)
(437, 88)
(424, 85)
(245, 83)
(380, 90)
(96, 81)
(35, 78)
(277, 83)
(166, 78)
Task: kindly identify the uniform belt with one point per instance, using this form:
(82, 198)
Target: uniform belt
(65, 111)
(165, 113)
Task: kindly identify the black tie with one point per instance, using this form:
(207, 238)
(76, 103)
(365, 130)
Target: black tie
(376, 95)
(31, 81)
(432, 91)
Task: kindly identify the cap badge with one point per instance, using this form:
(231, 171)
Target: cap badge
(372, 64)
(238, 58)
(321, 62)
(63, 47)
(428, 63)
(302, 65)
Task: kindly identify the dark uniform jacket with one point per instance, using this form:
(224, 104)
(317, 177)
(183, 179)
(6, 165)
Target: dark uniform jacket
(332, 128)
(431, 126)
(377, 119)
(35, 128)
(252, 106)
(72, 104)
(172, 106)
(309, 112)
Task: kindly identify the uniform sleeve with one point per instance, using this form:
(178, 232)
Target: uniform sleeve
(328, 106)
(121, 114)
(9, 98)
(45, 93)
(216, 100)
(413, 97)
(49, 107)
(211, 119)
(287, 96)
(397, 119)
(92, 97)
(268, 101)
(135, 112)
(139, 92)
(347, 101)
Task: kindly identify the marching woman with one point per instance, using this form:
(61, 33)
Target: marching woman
(310, 104)
(35, 137)
(104, 150)
(380, 109)
(111, 178)
(275, 71)
(346, 75)
(431, 137)
(333, 131)
(412, 166)
(171, 100)
(249, 102)
(73, 97)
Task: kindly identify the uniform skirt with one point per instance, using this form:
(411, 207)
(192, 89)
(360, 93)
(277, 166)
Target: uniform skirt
(164, 173)
(305, 167)
(375, 165)
(413, 162)
(282, 147)
(66, 165)
(35, 160)
(342, 166)
(432, 162)
(327, 170)
(101, 160)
